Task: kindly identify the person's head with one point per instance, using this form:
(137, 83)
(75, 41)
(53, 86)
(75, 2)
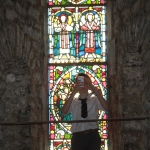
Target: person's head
(63, 18)
(90, 16)
(86, 87)
(82, 74)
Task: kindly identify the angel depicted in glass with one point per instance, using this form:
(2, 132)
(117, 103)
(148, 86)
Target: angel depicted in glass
(63, 35)
(90, 44)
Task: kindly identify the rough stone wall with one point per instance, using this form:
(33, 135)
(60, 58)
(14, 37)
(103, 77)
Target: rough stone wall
(130, 82)
(22, 67)
(21, 73)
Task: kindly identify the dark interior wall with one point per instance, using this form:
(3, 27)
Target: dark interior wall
(21, 73)
(129, 53)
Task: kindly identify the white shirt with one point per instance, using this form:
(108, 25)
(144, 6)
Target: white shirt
(93, 105)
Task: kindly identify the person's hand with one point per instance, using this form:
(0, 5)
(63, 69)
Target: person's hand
(88, 82)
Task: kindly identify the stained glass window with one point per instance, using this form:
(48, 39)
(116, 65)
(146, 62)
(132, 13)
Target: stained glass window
(77, 43)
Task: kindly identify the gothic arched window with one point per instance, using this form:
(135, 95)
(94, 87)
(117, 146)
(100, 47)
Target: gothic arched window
(77, 43)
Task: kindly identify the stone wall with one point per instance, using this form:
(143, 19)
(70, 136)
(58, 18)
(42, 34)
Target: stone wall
(129, 81)
(21, 73)
(23, 82)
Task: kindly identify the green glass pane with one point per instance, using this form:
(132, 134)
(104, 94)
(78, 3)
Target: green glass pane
(73, 2)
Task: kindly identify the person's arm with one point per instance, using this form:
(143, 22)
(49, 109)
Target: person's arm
(100, 98)
(68, 102)
(99, 95)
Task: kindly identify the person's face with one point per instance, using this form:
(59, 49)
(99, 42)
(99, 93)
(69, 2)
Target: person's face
(90, 17)
(63, 18)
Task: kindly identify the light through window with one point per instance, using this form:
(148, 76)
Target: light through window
(77, 43)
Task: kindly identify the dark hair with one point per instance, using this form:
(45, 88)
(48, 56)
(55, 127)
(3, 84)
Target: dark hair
(82, 74)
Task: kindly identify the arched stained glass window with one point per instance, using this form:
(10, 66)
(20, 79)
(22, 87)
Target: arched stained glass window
(77, 43)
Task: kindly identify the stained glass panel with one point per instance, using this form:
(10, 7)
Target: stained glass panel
(68, 2)
(61, 84)
(76, 38)
(77, 34)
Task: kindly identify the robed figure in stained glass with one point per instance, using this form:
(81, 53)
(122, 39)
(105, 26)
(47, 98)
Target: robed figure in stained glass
(63, 38)
(90, 39)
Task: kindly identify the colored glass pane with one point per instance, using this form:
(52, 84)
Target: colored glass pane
(63, 82)
(68, 2)
(77, 34)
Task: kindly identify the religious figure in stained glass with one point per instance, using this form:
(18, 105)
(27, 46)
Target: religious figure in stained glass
(77, 34)
(63, 39)
(90, 43)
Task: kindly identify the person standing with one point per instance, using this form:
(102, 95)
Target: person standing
(91, 26)
(63, 25)
(85, 135)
